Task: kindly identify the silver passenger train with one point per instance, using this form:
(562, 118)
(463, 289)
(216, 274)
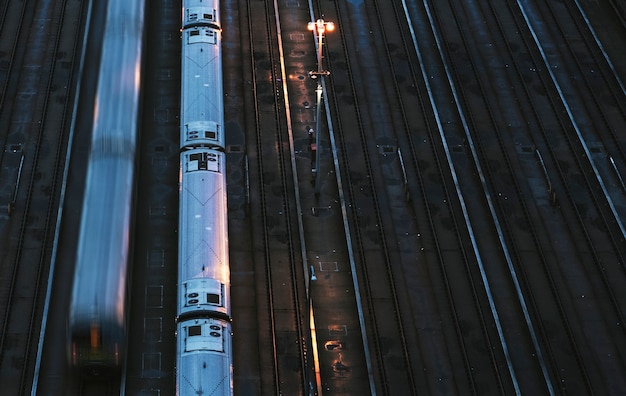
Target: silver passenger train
(98, 308)
(204, 345)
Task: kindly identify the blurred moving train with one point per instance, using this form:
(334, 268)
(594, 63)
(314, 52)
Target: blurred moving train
(98, 307)
(204, 345)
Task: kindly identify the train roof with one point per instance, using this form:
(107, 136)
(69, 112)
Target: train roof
(202, 97)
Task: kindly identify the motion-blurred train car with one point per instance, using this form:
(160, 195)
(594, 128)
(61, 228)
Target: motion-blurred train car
(99, 302)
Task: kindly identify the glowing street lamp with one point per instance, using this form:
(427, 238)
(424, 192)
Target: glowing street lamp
(319, 27)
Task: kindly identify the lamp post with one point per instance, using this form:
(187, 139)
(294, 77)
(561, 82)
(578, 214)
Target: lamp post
(319, 27)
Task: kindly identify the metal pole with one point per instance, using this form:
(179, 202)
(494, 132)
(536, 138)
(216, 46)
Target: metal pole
(320, 28)
(319, 25)
(318, 115)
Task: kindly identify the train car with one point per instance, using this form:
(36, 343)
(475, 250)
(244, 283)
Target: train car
(98, 306)
(204, 272)
(204, 359)
(202, 99)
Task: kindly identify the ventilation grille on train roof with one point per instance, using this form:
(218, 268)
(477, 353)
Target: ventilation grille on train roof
(211, 298)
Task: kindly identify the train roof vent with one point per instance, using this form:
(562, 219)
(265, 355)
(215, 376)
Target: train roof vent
(192, 299)
(195, 36)
(194, 13)
(212, 298)
(203, 161)
(202, 130)
(211, 337)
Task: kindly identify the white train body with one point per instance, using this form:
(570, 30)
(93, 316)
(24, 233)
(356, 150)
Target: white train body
(203, 270)
(204, 345)
(202, 100)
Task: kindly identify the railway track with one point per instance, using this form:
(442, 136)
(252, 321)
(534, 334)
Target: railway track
(474, 135)
(240, 117)
(525, 237)
(509, 203)
(387, 146)
(277, 163)
(277, 238)
(589, 187)
(373, 189)
(151, 356)
(13, 16)
(449, 242)
(39, 129)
